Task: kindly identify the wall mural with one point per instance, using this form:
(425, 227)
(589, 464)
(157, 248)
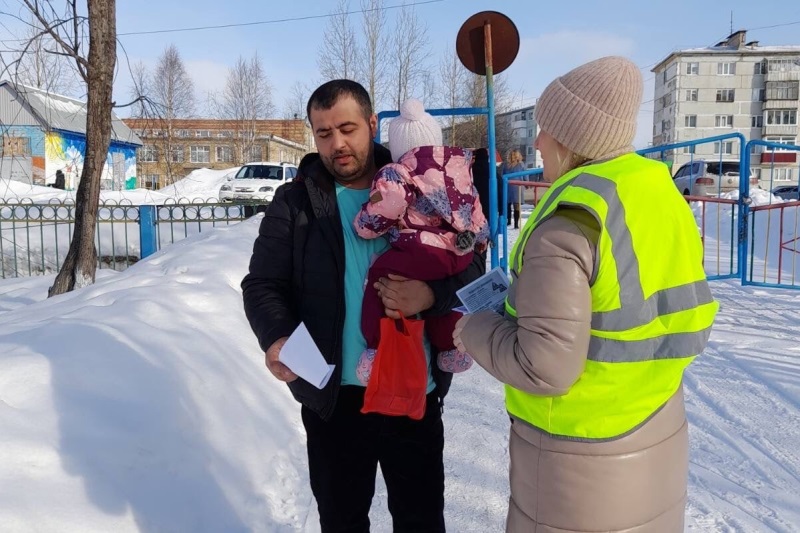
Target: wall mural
(64, 151)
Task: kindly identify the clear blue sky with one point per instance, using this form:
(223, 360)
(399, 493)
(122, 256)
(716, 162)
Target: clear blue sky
(555, 36)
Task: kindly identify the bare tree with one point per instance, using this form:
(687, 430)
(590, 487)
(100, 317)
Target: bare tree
(338, 55)
(172, 86)
(473, 132)
(247, 98)
(171, 91)
(295, 106)
(409, 50)
(453, 78)
(428, 88)
(140, 91)
(68, 31)
(372, 59)
(42, 66)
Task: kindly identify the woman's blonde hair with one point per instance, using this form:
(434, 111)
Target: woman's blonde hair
(570, 162)
(514, 157)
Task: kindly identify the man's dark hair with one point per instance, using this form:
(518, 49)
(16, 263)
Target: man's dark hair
(327, 94)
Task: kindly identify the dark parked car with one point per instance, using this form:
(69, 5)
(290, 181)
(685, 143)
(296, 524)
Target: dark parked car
(787, 192)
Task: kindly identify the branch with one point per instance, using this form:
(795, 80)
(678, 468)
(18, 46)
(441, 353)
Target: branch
(51, 29)
(134, 102)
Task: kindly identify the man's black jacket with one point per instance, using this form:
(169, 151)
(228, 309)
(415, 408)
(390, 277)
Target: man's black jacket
(297, 275)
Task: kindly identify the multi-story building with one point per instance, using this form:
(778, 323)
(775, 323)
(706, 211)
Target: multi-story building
(522, 124)
(734, 86)
(172, 149)
(514, 130)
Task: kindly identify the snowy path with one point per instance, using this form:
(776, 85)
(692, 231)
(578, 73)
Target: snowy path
(743, 400)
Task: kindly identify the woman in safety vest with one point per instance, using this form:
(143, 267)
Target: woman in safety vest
(608, 305)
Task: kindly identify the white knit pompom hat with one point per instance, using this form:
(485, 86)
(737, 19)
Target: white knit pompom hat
(414, 127)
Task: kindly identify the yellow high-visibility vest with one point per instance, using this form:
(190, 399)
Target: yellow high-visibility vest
(652, 308)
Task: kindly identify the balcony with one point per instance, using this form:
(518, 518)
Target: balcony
(778, 157)
(773, 129)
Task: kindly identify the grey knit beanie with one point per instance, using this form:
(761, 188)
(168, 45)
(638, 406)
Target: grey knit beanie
(592, 109)
(414, 127)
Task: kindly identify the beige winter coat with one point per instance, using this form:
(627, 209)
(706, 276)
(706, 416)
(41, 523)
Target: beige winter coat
(636, 483)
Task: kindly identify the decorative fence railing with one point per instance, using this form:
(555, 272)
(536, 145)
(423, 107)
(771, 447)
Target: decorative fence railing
(35, 236)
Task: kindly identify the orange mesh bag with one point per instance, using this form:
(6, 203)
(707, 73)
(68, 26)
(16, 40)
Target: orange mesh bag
(399, 379)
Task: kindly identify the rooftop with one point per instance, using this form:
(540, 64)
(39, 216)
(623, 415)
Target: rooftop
(736, 43)
(63, 113)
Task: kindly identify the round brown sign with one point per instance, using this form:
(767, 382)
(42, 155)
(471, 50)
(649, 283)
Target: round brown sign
(470, 42)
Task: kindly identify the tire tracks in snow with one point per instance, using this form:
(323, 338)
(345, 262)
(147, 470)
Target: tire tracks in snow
(745, 467)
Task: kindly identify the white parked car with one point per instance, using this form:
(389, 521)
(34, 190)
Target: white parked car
(257, 181)
(710, 177)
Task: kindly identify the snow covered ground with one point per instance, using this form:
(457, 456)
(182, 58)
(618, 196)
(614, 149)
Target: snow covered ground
(141, 403)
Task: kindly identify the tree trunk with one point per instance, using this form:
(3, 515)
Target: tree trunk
(81, 261)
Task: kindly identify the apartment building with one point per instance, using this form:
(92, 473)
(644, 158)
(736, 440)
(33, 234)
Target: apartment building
(514, 130)
(734, 86)
(171, 150)
(522, 124)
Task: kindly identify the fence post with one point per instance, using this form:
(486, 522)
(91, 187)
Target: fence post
(744, 209)
(148, 234)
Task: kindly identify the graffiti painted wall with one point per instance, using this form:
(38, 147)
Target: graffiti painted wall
(65, 151)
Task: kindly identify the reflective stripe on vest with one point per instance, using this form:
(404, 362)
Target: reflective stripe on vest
(639, 345)
(635, 310)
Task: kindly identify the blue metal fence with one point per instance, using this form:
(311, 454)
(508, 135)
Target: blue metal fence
(723, 221)
(773, 251)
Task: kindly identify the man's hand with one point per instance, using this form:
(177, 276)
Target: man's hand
(457, 342)
(403, 295)
(278, 369)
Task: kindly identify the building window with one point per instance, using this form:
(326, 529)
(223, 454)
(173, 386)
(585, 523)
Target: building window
(782, 90)
(781, 117)
(664, 79)
(666, 99)
(759, 95)
(148, 154)
(782, 174)
(530, 133)
(202, 133)
(149, 181)
(255, 153)
(200, 154)
(16, 146)
(760, 68)
(225, 134)
(779, 139)
(224, 154)
(692, 69)
(691, 95)
(182, 133)
(757, 121)
(530, 115)
(666, 125)
(690, 121)
(688, 149)
(784, 65)
(723, 147)
(725, 95)
(723, 121)
(726, 69)
(529, 150)
(176, 154)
